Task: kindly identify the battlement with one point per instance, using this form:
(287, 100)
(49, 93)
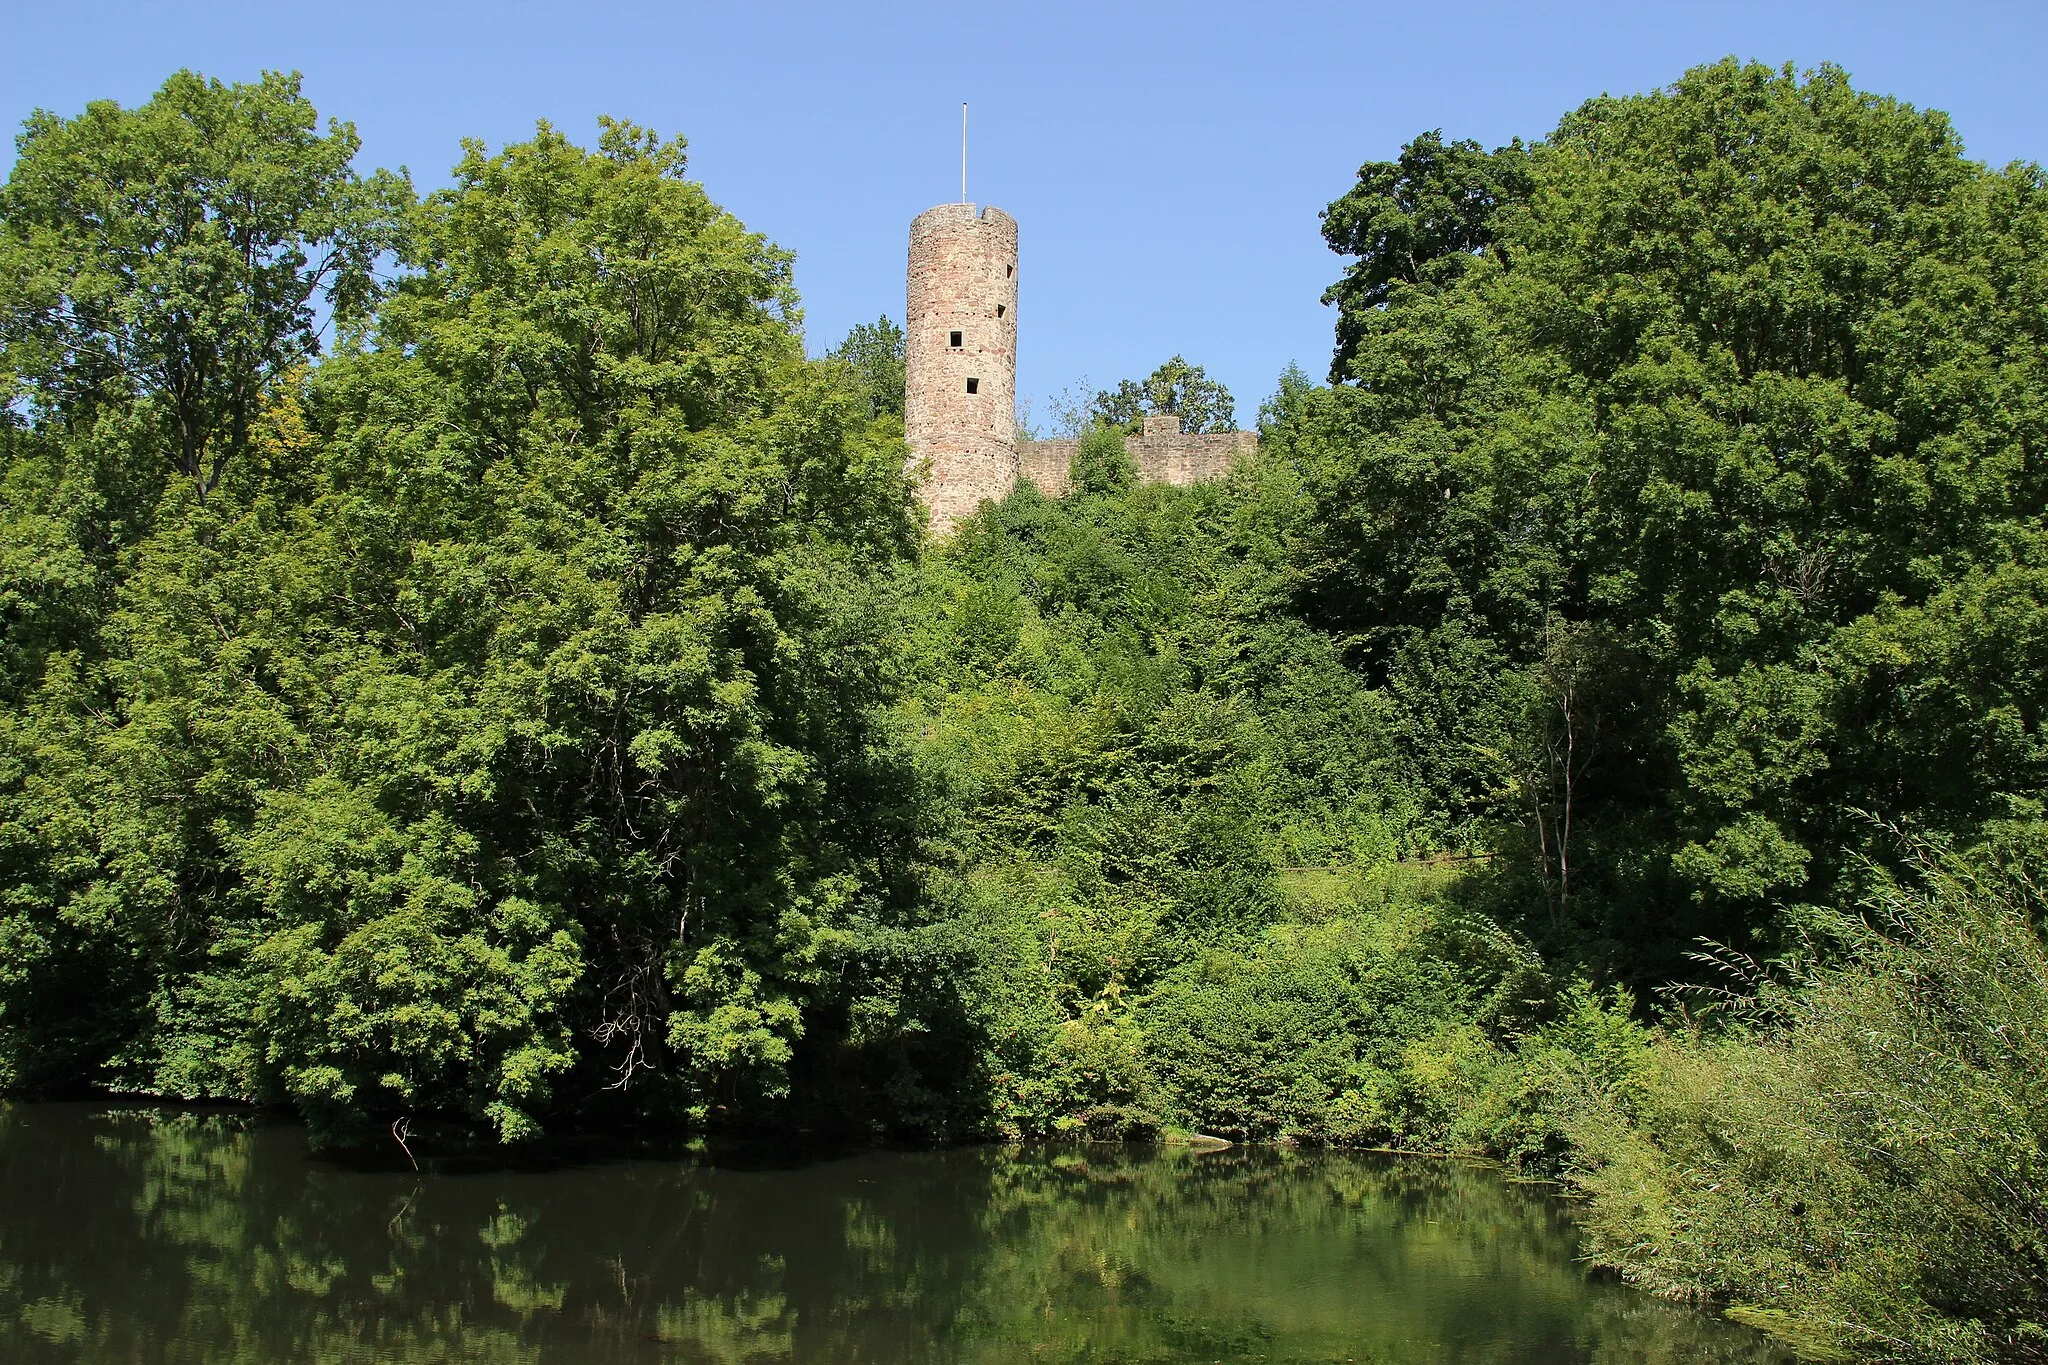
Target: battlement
(1164, 454)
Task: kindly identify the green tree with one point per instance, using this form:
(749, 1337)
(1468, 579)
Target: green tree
(1288, 393)
(658, 520)
(159, 270)
(875, 351)
(1418, 221)
(507, 712)
(1176, 389)
(1101, 464)
(1761, 437)
(162, 264)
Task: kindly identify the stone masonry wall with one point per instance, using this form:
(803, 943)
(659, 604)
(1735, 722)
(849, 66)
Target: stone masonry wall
(960, 330)
(1046, 463)
(960, 325)
(1164, 454)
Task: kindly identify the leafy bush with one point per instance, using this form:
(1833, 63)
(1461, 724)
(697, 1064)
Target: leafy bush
(1865, 1167)
(1357, 1029)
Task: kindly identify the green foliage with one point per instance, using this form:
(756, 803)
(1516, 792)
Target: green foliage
(1747, 438)
(1341, 1031)
(1865, 1169)
(1141, 771)
(383, 981)
(1175, 389)
(159, 266)
(547, 696)
(1416, 221)
(1532, 1102)
(875, 352)
(1102, 465)
(520, 686)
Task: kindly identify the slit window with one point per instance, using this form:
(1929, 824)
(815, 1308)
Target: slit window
(1008, 271)
(953, 340)
(974, 386)
(1002, 308)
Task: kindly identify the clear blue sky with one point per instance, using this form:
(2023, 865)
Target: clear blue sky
(1166, 163)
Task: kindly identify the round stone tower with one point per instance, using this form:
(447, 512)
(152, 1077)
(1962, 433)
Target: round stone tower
(960, 357)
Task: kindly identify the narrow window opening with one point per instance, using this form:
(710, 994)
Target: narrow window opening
(1008, 271)
(974, 386)
(1002, 308)
(954, 340)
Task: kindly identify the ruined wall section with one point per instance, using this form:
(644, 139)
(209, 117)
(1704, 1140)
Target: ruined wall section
(1164, 454)
(1047, 464)
(960, 358)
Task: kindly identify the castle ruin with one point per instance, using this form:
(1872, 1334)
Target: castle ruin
(1163, 453)
(960, 389)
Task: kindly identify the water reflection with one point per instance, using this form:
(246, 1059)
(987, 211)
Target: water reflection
(143, 1236)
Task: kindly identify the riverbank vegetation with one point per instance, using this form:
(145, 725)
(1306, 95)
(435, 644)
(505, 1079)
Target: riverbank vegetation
(1600, 729)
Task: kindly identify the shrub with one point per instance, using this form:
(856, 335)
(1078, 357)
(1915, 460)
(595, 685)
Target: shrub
(1866, 1169)
(1368, 1029)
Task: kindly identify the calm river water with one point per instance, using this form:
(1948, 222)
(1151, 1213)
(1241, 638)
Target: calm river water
(143, 1236)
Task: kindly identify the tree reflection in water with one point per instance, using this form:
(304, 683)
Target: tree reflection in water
(139, 1235)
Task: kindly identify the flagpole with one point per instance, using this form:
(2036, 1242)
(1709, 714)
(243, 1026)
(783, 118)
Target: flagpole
(963, 151)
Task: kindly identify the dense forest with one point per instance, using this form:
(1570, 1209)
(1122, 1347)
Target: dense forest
(464, 662)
